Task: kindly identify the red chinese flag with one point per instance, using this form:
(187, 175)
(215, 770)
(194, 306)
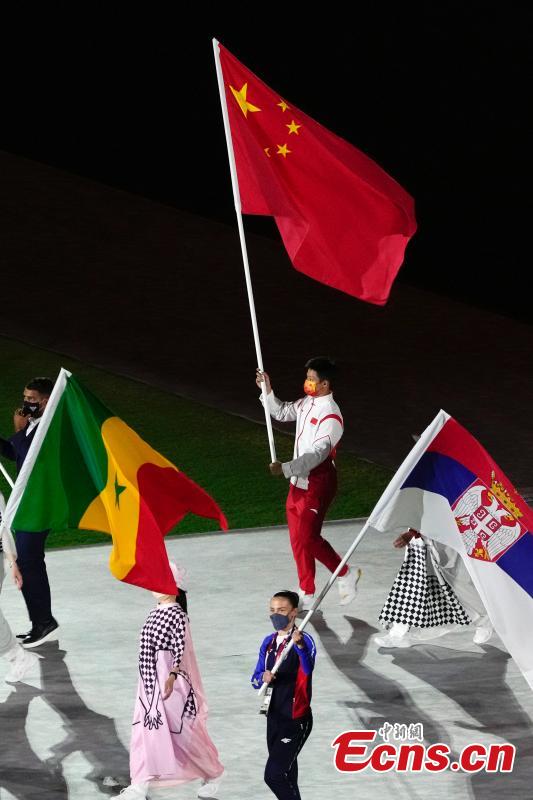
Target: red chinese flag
(343, 220)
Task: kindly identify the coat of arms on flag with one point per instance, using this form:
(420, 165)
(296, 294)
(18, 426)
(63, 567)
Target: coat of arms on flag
(487, 520)
(450, 489)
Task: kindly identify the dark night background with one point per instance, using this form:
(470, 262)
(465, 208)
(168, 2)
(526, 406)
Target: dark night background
(117, 222)
(437, 94)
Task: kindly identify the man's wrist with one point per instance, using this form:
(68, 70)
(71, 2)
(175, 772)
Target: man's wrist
(286, 469)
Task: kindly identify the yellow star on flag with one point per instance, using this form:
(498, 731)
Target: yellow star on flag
(240, 97)
(267, 151)
(293, 127)
(283, 150)
(283, 105)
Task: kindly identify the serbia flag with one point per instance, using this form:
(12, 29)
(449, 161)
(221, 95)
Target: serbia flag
(451, 490)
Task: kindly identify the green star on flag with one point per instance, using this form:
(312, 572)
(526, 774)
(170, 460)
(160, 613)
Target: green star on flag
(118, 490)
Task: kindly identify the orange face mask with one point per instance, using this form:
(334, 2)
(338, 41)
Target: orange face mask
(310, 388)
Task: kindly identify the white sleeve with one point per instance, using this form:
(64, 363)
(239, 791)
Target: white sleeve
(327, 437)
(8, 543)
(282, 411)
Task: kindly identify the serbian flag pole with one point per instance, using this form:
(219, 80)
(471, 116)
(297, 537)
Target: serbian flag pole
(383, 503)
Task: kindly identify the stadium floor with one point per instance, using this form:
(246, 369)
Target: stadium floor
(66, 730)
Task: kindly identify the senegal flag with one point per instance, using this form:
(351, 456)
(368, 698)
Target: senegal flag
(87, 469)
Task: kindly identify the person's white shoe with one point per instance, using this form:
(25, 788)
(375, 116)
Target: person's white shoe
(348, 585)
(306, 600)
(482, 633)
(390, 640)
(210, 788)
(21, 664)
(135, 791)
(427, 634)
(396, 636)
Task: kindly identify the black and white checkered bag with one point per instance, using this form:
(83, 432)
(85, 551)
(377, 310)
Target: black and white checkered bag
(420, 596)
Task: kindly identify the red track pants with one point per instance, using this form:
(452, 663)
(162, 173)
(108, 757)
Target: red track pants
(306, 509)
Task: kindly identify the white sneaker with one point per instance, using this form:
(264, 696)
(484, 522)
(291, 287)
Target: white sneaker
(396, 636)
(483, 634)
(22, 662)
(348, 585)
(210, 788)
(427, 634)
(135, 791)
(306, 600)
(389, 640)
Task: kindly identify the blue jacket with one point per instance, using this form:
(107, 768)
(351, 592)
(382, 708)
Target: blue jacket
(16, 447)
(292, 687)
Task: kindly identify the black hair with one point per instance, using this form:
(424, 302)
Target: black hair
(292, 597)
(325, 368)
(181, 599)
(42, 385)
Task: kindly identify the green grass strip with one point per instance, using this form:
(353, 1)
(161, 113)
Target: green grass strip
(227, 455)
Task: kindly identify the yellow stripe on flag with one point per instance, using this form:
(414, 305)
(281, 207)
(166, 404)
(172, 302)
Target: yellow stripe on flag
(116, 509)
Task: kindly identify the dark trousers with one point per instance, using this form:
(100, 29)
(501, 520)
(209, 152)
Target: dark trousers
(35, 586)
(285, 739)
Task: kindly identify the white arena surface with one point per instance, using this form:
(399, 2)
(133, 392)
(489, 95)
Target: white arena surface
(65, 733)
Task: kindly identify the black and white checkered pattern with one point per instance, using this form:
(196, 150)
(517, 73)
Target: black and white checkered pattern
(190, 709)
(420, 598)
(163, 630)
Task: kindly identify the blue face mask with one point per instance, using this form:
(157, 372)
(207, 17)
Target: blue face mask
(279, 621)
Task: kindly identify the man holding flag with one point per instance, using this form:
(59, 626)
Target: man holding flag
(87, 469)
(30, 545)
(343, 220)
(313, 476)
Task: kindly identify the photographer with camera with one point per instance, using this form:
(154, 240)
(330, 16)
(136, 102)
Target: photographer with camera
(30, 545)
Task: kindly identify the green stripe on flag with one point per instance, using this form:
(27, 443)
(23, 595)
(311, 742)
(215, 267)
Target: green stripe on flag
(71, 467)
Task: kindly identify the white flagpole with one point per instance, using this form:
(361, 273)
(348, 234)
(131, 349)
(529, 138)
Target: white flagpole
(6, 475)
(237, 201)
(398, 479)
(17, 488)
(22, 478)
(6, 537)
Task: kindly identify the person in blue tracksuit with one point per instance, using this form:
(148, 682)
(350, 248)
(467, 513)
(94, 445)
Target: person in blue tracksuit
(288, 700)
